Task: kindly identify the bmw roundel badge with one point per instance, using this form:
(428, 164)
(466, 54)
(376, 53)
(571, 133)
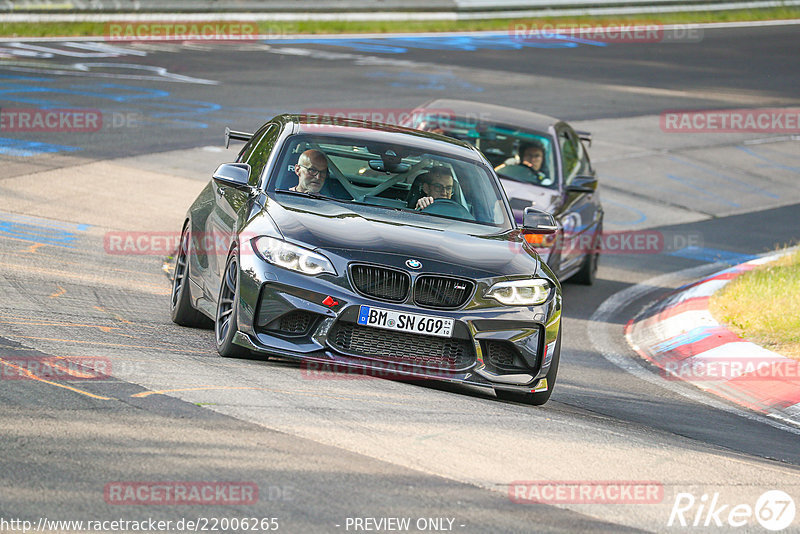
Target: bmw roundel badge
(413, 264)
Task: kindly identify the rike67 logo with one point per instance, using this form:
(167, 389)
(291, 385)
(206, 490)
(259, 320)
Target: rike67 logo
(774, 510)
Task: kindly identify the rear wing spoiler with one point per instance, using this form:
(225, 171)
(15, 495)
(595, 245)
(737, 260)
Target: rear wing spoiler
(585, 136)
(238, 136)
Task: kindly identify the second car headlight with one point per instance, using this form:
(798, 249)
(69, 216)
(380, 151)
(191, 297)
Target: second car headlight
(288, 256)
(520, 292)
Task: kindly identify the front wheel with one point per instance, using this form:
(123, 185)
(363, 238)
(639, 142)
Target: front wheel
(226, 324)
(537, 399)
(181, 309)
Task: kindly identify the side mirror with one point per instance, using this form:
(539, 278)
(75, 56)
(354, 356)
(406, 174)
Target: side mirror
(538, 222)
(233, 174)
(583, 184)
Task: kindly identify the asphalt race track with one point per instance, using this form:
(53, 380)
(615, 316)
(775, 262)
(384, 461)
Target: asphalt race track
(324, 450)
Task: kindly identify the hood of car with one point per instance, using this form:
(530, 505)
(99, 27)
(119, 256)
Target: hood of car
(522, 195)
(371, 234)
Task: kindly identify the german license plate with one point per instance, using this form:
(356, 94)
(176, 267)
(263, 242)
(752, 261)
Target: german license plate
(405, 322)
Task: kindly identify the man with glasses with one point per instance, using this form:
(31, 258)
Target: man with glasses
(530, 166)
(311, 171)
(439, 184)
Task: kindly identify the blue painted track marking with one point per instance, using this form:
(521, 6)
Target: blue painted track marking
(769, 161)
(28, 149)
(639, 183)
(692, 336)
(24, 78)
(418, 80)
(712, 255)
(467, 43)
(104, 91)
(734, 268)
(37, 234)
(151, 103)
(688, 183)
(747, 185)
(40, 221)
(786, 154)
(642, 216)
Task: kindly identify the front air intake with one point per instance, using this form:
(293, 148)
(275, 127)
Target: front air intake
(380, 283)
(442, 291)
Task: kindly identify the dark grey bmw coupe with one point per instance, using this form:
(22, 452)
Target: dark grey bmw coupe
(372, 248)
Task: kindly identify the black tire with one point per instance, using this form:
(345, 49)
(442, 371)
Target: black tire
(537, 399)
(588, 271)
(226, 322)
(181, 309)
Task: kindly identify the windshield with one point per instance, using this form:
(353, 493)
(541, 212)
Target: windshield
(391, 177)
(515, 154)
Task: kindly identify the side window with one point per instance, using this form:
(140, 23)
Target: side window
(245, 151)
(585, 166)
(574, 159)
(259, 150)
(248, 147)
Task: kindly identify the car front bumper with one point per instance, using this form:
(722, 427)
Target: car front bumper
(314, 319)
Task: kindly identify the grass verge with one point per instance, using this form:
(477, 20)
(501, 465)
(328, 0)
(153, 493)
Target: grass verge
(85, 29)
(763, 305)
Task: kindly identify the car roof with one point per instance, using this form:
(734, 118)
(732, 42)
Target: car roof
(379, 132)
(492, 114)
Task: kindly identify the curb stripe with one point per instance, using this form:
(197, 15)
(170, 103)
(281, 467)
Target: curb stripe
(679, 335)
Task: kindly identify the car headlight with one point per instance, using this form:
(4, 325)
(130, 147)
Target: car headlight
(520, 292)
(292, 257)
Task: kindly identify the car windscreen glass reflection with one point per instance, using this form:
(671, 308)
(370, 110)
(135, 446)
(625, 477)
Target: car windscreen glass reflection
(390, 178)
(519, 155)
